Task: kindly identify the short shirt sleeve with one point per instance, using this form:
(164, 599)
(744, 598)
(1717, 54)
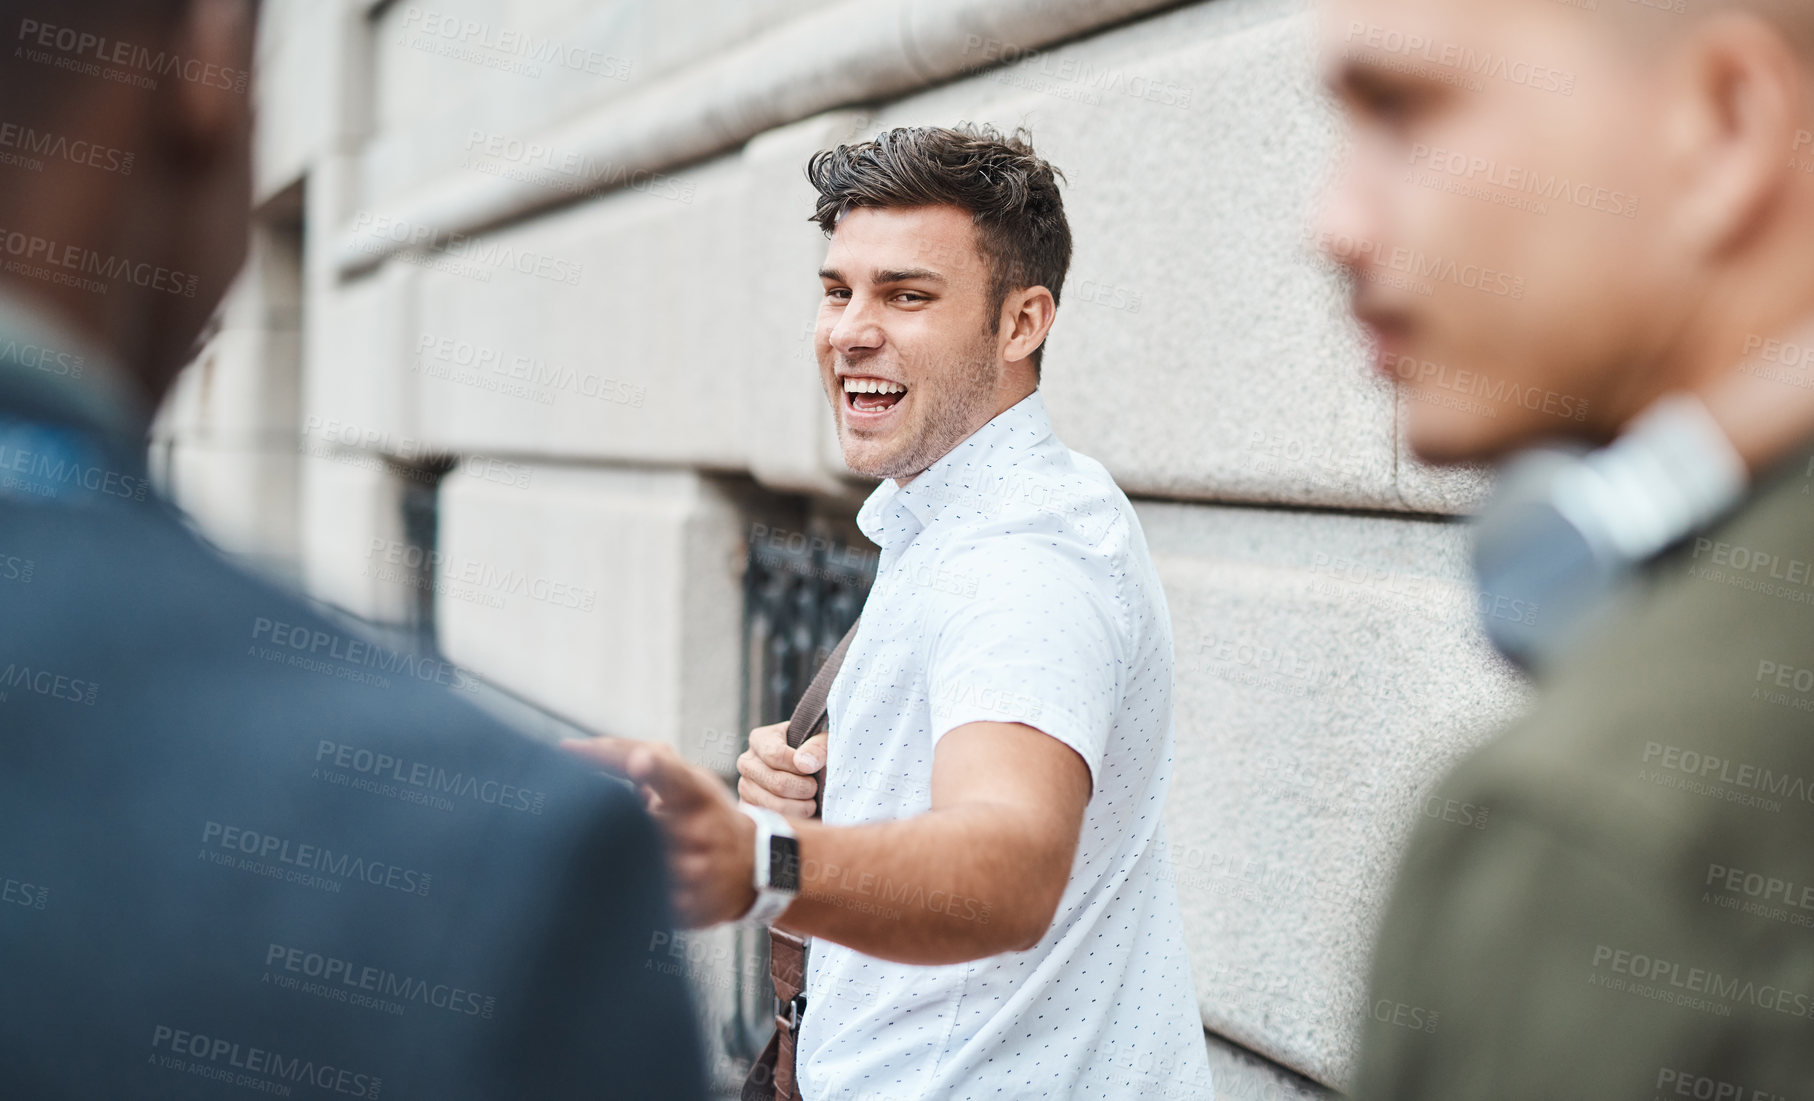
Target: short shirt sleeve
(1029, 635)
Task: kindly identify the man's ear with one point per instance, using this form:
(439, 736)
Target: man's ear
(1738, 99)
(1027, 317)
(212, 91)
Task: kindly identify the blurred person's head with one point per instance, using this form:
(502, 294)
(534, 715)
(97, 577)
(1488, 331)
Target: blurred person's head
(137, 219)
(948, 254)
(1554, 213)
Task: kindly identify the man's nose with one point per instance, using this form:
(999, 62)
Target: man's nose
(1342, 231)
(858, 329)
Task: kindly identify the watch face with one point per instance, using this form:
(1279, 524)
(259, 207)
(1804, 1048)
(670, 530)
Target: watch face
(784, 864)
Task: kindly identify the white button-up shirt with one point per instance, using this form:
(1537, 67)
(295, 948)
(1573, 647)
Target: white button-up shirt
(1014, 585)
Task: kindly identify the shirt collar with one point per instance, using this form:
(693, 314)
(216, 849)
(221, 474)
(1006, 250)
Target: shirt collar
(894, 514)
(50, 372)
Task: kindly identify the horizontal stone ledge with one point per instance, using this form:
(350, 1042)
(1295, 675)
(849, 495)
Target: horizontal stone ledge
(854, 52)
(1240, 1074)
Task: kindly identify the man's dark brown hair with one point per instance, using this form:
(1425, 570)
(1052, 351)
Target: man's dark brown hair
(1011, 194)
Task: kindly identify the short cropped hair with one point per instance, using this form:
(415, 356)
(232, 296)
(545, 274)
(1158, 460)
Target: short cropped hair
(1011, 194)
(34, 92)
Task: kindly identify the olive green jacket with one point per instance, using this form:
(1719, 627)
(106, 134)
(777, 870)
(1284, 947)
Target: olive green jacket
(1636, 918)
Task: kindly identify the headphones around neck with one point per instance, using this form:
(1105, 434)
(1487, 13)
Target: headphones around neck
(1565, 529)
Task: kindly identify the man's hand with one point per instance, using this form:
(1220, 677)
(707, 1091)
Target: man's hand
(711, 846)
(782, 779)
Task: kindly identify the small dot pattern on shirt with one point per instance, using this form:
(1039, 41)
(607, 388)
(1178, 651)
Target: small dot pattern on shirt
(1014, 585)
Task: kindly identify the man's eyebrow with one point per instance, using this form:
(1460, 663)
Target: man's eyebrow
(888, 276)
(909, 275)
(1362, 78)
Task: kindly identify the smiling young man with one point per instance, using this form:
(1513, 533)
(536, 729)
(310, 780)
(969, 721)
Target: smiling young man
(986, 894)
(1597, 224)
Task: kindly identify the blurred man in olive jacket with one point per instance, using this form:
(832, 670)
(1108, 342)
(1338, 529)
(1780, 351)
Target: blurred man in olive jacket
(1594, 225)
(241, 849)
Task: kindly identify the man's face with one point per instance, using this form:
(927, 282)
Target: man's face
(903, 340)
(1497, 211)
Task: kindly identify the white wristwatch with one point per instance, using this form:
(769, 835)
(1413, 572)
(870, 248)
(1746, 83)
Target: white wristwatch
(777, 874)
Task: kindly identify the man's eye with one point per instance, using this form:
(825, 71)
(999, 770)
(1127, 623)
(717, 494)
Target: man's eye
(912, 297)
(838, 294)
(1392, 106)
(1395, 107)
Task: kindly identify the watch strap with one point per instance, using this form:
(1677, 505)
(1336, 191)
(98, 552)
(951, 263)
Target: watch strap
(771, 901)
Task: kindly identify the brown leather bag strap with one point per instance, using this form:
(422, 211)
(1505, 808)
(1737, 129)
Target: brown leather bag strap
(787, 967)
(809, 713)
(772, 1075)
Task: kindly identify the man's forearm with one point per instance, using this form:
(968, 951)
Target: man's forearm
(946, 886)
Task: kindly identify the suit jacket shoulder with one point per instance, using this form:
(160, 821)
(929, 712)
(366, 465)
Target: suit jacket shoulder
(254, 847)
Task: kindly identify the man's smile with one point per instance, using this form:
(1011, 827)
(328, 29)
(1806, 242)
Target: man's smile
(870, 401)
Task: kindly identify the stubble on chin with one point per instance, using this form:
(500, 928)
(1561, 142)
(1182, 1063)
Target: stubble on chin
(951, 412)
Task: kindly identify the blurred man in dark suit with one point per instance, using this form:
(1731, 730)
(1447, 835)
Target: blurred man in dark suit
(242, 850)
(1594, 224)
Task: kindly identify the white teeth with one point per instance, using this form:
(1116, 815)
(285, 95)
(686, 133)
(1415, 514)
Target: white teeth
(872, 386)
